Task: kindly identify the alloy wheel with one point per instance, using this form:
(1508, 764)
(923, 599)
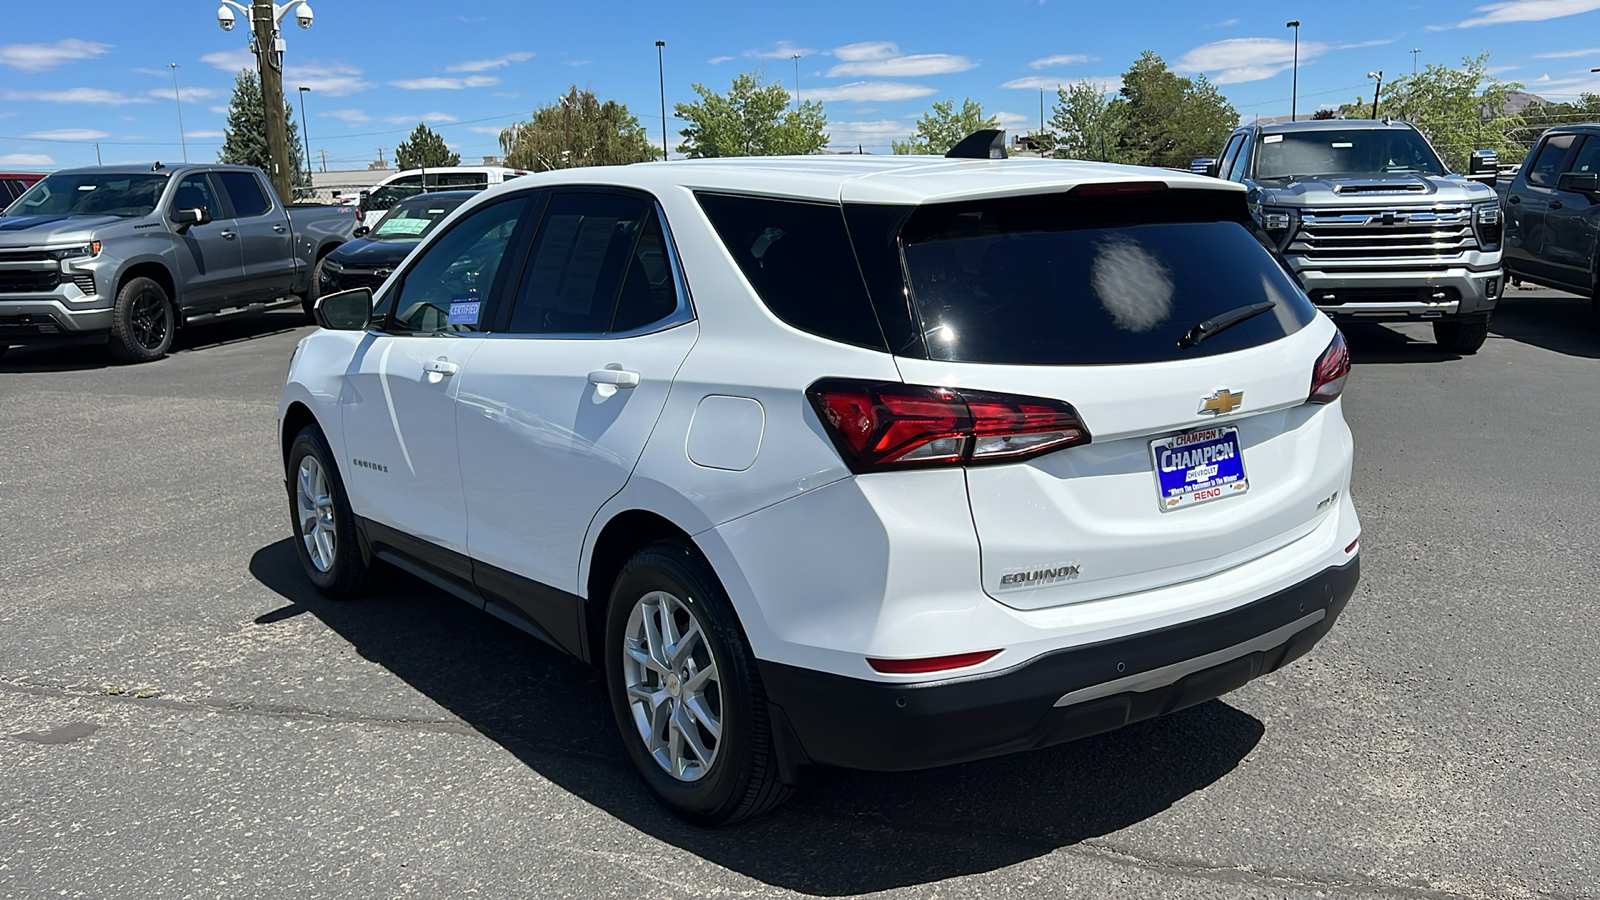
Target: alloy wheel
(150, 321)
(314, 502)
(673, 692)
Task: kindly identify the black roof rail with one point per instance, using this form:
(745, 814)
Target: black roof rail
(990, 143)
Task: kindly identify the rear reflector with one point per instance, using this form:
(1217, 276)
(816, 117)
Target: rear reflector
(882, 425)
(1353, 544)
(1328, 375)
(930, 663)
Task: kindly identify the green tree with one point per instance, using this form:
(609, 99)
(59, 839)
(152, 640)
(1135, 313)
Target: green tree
(1084, 125)
(1459, 110)
(943, 127)
(425, 149)
(578, 130)
(752, 119)
(244, 136)
(1167, 119)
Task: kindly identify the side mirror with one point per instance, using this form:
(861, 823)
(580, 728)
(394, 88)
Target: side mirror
(361, 231)
(1579, 182)
(188, 218)
(1484, 166)
(1204, 166)
(345, 311)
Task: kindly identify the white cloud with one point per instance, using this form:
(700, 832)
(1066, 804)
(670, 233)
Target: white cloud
(871, 134)
(25, 159)
(230, 60)
(1527, 11)
(189, 93)
(445, 84)
(867, 50)
(42, 57)
(425, 117)
(206, 134)
(1106, 83)
(903, 66)
(783, 50)
(1238, 60)
(69, 134)
(1061, 59)
(487, 129)
(1564, 54)
(77, 95)
(580, 62)
(335, 79)
(1225, 23)
(484, 65)
(869, 90)
(718, 60)
(1007, 119)
(348, 116)
(219, 110)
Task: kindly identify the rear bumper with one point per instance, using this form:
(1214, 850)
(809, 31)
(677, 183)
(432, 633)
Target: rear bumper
(1062, 696)
(1400, 295)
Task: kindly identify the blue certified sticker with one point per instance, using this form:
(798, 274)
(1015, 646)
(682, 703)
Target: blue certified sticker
(464, 312)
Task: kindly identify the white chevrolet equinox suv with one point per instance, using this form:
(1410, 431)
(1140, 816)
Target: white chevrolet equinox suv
(885, 463)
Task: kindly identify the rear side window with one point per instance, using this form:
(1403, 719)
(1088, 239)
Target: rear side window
(245, 192)
(798, 258)
(1059, 280)
(585, 248)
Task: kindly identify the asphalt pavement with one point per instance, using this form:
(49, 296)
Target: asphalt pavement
(182, 716)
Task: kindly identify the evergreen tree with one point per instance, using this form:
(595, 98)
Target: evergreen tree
(752, 119)
(244, 140)
(1084, 124)
(943, 127)
(578, 130)
(424, 150)
(1166, 119)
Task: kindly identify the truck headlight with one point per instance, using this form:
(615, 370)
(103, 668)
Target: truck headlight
(76, 251)
(1486, 224)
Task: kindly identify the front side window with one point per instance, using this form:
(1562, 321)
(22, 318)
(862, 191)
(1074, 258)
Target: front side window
(1352, 151)
(399, 189)
(1229, 154)
(195, 192)
(451, 283)
(244, 190)
(91, 194)
(1063, 280)
(462, 180)
(587, 247)
(1547, 165)
(1587, 159)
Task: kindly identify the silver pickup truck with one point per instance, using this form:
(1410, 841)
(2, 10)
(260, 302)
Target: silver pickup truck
(1373, 223)
(134, 253)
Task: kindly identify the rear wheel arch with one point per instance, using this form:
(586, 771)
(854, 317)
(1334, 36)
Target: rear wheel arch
(624, 534)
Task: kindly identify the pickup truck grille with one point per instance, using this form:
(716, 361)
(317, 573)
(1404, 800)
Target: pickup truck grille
(1351, 234)
(25, 281)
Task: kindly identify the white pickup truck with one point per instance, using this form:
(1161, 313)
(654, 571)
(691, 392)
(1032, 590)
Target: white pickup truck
(133, 253)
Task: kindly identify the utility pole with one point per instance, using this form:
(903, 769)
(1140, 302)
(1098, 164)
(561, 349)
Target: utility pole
(176, 96)
(1041, 113)
(269, 59)
(1294, 88)
(1376, 90)
(97, 154)
(796, 59)
(661, 73)
(324, 160)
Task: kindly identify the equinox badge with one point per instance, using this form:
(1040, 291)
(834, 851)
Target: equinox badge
(1221, 402)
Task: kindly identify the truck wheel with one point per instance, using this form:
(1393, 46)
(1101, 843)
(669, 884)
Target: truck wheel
(142, 322)
(1463, 336)
(308, 300)
(685, 691)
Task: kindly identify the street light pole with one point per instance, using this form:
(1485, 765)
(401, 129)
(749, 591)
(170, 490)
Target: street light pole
(1294, 89)
(305, 130)
(661, 73)
(796, 59)
(1375, 91)
(183, 141)
(1414, 52)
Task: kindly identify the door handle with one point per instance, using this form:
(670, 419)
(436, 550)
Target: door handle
(228, 235)
(278, 228)
(1514, 199)
(1555, 204)
(614, 378)
(440, 366)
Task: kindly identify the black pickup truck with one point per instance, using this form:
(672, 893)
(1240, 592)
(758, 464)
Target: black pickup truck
(1552, 212)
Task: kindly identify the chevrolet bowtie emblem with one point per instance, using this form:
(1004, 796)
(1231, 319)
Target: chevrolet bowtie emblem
(1221, 402)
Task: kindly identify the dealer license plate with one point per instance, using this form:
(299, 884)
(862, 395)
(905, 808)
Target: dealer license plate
(1198, 467)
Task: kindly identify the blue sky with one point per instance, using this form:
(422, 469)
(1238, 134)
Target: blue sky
(469, 67)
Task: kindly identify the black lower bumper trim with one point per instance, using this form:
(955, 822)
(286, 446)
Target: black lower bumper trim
(835, 720)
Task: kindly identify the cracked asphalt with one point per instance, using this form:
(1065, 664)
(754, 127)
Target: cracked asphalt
(182, 716)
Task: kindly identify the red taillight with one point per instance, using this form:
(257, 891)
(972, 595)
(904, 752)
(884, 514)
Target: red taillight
(1327, 377)
(930, 663)
(889, 425)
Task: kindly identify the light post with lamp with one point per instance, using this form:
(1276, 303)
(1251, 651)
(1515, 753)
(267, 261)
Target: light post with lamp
(661, 73)
(1294, 90)
(305, 130)
(183, 141)
(1376, 90)
(266, 42)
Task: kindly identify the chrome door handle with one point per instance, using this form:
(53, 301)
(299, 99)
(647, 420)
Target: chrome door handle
(614, 377)
(278, 228)
(440, 366)
(228, 235)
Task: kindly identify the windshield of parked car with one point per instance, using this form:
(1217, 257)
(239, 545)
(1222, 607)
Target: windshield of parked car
(1354, 151)
(413, 218)
(1064, 280)
(91, 194)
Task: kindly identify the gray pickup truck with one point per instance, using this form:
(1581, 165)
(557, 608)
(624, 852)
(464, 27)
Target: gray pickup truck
(134, 253)
(1552, 209)
(1372, 222)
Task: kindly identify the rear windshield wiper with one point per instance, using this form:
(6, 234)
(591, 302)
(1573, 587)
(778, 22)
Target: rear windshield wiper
(1220, 323)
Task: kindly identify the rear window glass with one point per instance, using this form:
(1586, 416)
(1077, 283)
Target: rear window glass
(1057, 280)
(798, 258)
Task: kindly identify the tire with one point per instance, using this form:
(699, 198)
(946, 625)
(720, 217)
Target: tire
(1463, 336)
(331, 554)
(666, 719)
(142, 322)
(308, 300)
(1594, 314)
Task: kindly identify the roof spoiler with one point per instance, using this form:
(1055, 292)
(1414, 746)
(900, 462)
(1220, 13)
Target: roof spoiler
(990, 143)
